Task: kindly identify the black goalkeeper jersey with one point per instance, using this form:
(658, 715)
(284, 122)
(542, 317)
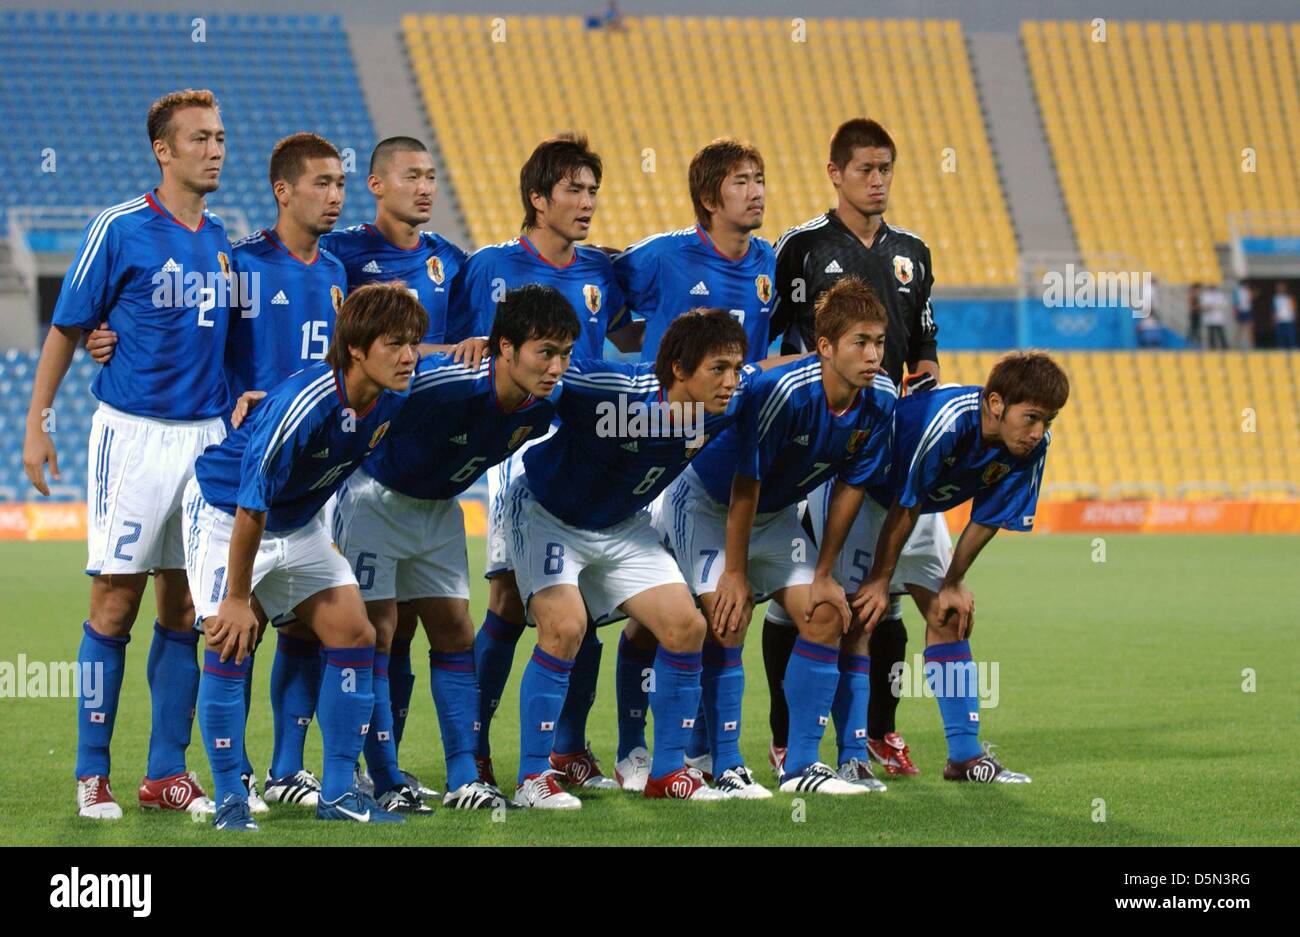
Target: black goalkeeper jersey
(811, 256)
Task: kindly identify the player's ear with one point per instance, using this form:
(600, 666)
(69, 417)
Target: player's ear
(679, 373)
(375, 184)
(833, 173)
(996, 404)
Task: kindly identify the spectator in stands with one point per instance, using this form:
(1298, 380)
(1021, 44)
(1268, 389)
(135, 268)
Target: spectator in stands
(1194, 314)
(1150, 333)
(612, 18)
(1243, 302)
(1214, 315)
(1283, 316)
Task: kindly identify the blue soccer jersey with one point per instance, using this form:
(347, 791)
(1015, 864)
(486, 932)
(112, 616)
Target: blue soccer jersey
(429, 270)
(667, 274)
(619, 443)
(587, 282)
(788, 437)
(941, 460)
(165, 290)
(453, 429)
(286, 321)
(295, 449)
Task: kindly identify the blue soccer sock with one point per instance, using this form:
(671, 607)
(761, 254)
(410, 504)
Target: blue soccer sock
(221, 720)
(401, 683)
(494, 652)
(676, 704)
(455, 697)
(101, 661)
(173, 672)
(632, 699)
(571, 727)
(381, 753)
(810, 681)
(295, 685)
(951, 674)
(697, 744)
(541, 697)
(246, 766)
(722, 685)
(850, 707)
(347, 700)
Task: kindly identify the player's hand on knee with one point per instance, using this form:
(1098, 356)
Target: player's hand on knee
(826, 591)
(870, 602)
(233, 631)
(101, 342)
(735, 603)
(956, 605)
(470, 352)
(38, 449)
(246, 402)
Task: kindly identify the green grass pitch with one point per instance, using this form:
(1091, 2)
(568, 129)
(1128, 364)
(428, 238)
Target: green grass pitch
(1119, 682)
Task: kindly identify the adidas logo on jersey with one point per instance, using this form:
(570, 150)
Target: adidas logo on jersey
(280, 299)
(372, 267)
(461, 440)
(801, 440)
(629, 446)
(323, 454)
(834, 267)
(171, 266)
(699, 289)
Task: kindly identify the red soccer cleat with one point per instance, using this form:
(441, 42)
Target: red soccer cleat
(178, 792)
(892, 753)
(682, 784)
(582, 770)
(776, 758)
(484, 765)
(95, 799)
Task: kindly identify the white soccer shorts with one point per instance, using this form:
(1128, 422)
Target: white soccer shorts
(499, 478)
(780, 552)
(608, 566)
(401, 547)
(288, 569)
(137, 471)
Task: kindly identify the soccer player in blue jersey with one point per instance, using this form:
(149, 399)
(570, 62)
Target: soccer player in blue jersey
(733, 521)
(582, 546)
(718, 261)
(557, 188)
(256, 544)
(987, 445)
(404, 184)
(400, 526)
(156, 268)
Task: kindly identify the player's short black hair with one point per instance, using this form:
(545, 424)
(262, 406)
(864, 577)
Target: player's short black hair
(373, 311)
(1029, 376)
(710, 168)
(290, 155)
(694, 336)
(383, 152)
(856, 133)
(553, 161)
(845, 304)
(533, 311)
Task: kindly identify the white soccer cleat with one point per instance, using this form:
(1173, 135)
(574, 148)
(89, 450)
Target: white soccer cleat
(543, 791)
(819, 778)
(703, 764)
(301, 787)
(857, 771)
(634, 770)
(739, 784)
(95, 799)
(255, 802)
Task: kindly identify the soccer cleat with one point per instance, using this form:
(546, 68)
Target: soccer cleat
(357, 807)
(983, 769)
(739, 784)
(427, 793)
(582, 770)
(255, 802)
(682, 784)
(178, 792)
(634, 770)
(703, 764)
(301, 787)
(403, 799)
(233, 814)
(362, 782)
(477, 796)
(95, 799)
(892, 753)
(819, 778)
(543, 791)
(484, 765)
(776, 758)
(857, 771)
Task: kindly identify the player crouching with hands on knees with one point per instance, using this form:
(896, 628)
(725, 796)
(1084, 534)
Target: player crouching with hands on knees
(987, 445)
(256, 545)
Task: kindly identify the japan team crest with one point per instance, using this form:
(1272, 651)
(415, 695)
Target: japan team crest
(434, 266)
(994, 473)
(224, 263)
(591, 295)
(857, 438)
(903, 269)
(518, 436)
(763, 284)
(379, 433)
(336, 297)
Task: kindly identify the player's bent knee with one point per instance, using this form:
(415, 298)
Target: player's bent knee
(684, 633)
(504, 600)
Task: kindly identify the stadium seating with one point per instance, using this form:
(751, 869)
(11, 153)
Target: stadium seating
(1172, 424)
(1148, 131)
(273, 75)
(669, 85)
(72, 412)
